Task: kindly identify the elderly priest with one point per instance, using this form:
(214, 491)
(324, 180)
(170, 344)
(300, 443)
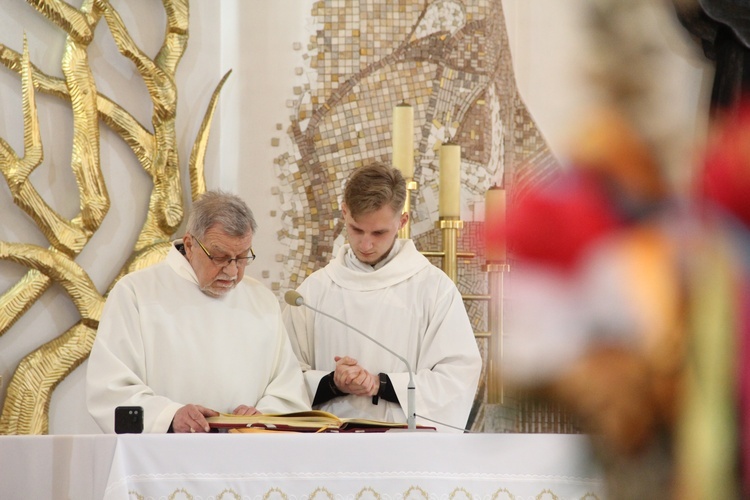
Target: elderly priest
(192, 336)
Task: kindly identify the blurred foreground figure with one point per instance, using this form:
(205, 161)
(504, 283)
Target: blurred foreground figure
(629, 306)
(724, 184)
(723, 29)
(628, 299)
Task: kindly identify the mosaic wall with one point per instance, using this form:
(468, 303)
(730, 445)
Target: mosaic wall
(451, 61)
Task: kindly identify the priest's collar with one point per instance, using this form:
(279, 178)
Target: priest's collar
(352, 262)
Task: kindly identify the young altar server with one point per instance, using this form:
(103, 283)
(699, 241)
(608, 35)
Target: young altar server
(192, 336)
(382, 286)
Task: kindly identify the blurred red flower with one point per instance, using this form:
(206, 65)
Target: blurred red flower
(555, 224)
(725, 179)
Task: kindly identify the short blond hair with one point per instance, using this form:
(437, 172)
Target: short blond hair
(374, 186)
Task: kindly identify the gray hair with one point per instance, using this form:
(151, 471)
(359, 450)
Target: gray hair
(218, 208)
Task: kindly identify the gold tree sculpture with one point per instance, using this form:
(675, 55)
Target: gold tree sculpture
(26, 405)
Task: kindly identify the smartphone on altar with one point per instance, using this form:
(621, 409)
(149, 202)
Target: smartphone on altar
(129, 420)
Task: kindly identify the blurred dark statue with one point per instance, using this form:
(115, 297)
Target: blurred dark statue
(723, 29)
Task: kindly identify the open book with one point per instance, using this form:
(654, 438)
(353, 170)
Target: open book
(303, 421)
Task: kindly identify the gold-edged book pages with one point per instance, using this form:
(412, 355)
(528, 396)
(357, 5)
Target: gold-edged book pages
(303, 421)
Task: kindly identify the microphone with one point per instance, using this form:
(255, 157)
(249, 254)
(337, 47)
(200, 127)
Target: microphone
(294, 298)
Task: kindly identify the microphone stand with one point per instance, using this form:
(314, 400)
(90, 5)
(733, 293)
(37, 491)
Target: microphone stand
(411, 417)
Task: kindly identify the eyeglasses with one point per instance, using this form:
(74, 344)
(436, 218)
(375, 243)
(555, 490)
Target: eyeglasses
(225, 261)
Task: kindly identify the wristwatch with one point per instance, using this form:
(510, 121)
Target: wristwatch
(383, 383)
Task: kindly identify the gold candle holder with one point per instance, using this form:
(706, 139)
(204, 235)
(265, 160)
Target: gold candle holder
(405, 232)
(450, 228)
(495, 392)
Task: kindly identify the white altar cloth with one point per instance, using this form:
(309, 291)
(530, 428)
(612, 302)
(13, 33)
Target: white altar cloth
(296, 466)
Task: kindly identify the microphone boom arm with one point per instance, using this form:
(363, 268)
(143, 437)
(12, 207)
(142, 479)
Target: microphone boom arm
(295, 299)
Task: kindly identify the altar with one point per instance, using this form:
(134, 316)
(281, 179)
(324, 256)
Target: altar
(287, 466)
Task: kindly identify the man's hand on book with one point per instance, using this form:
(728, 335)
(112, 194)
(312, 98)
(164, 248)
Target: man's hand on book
(352, 378)
(245, 410)
(192, 418)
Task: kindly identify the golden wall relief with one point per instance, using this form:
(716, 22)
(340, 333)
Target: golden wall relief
(25, 408)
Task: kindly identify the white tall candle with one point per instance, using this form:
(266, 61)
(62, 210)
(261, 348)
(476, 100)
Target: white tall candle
(450, 181)
(402, 139)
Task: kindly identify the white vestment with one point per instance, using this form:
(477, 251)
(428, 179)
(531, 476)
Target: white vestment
(162, 343)
(410, 306)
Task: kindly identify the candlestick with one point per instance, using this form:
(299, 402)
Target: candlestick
(450, 181)
(405, 232)
(402, 139)
(450, 228)
(494, 220)
(495, 344)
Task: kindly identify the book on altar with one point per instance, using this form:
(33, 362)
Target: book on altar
(303, 421)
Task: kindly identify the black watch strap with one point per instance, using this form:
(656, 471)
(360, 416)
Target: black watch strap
(386, 390)
(384, 382)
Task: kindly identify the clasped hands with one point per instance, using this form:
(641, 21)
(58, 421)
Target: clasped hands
(192, 418)
(351, 378)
